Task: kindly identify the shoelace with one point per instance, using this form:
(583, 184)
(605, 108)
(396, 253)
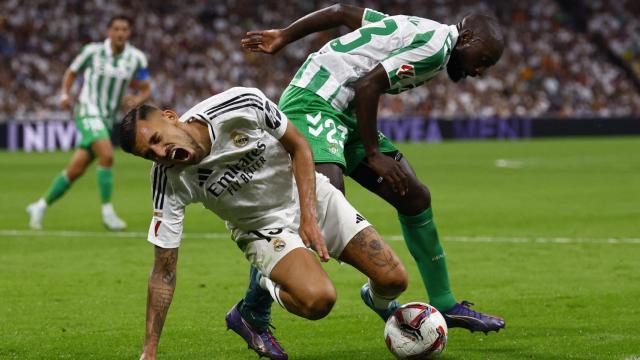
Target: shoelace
(271, 338)
(466, 305)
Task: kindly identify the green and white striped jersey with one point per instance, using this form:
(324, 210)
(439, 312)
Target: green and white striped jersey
(411, 49)
(106, 77)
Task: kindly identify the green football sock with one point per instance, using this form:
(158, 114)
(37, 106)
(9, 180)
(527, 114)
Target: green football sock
(255, 307)
(105, 183)
(422, 240)
(58, 187)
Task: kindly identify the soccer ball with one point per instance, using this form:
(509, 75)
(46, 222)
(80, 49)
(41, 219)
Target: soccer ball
(416, 331)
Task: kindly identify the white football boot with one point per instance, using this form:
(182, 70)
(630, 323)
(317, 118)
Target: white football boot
(110, 220)
(36, 214)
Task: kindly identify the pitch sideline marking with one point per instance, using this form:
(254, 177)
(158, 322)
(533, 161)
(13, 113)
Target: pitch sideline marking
(214, 235)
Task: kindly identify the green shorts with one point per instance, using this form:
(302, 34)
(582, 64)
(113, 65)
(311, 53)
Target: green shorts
(332, 134)
(92, 129)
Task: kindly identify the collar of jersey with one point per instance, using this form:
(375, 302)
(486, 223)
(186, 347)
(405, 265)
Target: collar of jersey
(454, 34)
(109, 52)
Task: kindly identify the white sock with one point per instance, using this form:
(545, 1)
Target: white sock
(107, 209)
(41, 203)
(380, 302)
(273, 288)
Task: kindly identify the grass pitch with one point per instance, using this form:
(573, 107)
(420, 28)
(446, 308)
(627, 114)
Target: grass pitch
(545, 233)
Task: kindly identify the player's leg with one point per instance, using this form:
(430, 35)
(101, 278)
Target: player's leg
(368, 253)
(279, 254)
(418, 228)
(334, 172)
(80, 161)
(315, 120)
(351, 238)
(103, 150)
(276, 256)
(309, 293)
(421, 236)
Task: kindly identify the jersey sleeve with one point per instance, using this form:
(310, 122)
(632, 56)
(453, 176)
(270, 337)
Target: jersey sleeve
(268, 116)
(165, 229)
(142, 68)
(272, 119)
(409, 64)
(83, 59)
(370, 16)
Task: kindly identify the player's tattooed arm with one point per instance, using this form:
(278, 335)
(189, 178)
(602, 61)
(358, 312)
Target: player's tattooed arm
(271, 41)
(162, 283)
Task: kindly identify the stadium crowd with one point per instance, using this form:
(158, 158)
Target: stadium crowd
(549, 69)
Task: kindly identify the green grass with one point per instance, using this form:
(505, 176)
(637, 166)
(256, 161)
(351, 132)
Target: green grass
(84, 298)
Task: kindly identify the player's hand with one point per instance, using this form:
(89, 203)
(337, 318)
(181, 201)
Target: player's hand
(390, 170)
(129, 102)
(65, 101)
(266, 41)
(312, 237)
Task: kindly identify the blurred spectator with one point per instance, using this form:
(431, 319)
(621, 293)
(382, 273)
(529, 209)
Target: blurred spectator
(618, 21)
(548, 69)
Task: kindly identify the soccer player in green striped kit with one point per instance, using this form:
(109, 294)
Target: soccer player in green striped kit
(333, 100)
(108, 69)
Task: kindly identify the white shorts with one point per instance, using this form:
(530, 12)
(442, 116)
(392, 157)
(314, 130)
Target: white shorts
(339, 222)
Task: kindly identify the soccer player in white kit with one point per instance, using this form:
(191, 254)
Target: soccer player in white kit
(240, 157)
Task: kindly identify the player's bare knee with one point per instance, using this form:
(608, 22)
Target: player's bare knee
(318, 302)
(417, 200)
(106, 161)
(398, 280)
(392, 282)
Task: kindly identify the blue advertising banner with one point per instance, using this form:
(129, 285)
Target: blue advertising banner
(62, 135)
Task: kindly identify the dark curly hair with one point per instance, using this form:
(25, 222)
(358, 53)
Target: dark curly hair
(127, 127)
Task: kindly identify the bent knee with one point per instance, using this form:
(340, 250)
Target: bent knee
(417, 200)
(394, 282)
(318, 303)
(106, 161)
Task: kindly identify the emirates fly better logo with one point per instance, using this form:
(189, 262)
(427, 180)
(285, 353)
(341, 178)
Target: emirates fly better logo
(406, 71)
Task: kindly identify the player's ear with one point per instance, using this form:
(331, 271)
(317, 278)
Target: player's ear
(172, 116)
(465, 39)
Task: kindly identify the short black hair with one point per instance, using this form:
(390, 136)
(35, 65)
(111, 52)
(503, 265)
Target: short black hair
(122, 17)
(127, 127)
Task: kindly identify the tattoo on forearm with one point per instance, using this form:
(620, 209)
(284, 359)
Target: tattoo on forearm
(162, 283)
(370, 243)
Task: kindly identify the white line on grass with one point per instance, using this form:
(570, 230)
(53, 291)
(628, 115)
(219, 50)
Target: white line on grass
(214, 235)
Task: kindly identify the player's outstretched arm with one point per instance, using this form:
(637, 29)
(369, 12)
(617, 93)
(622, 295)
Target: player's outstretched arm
(368, 91)
(162, 283)
(271, 41)
(304, 172)
(65, 92)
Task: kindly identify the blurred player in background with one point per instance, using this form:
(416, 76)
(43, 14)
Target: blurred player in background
(333, 100)
(108, 68)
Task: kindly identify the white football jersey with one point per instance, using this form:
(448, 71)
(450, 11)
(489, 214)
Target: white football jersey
(246, 179)
(411, 49)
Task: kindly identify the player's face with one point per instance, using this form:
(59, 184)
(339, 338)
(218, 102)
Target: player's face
(119, 32)
(472, 57)
(163, 139)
